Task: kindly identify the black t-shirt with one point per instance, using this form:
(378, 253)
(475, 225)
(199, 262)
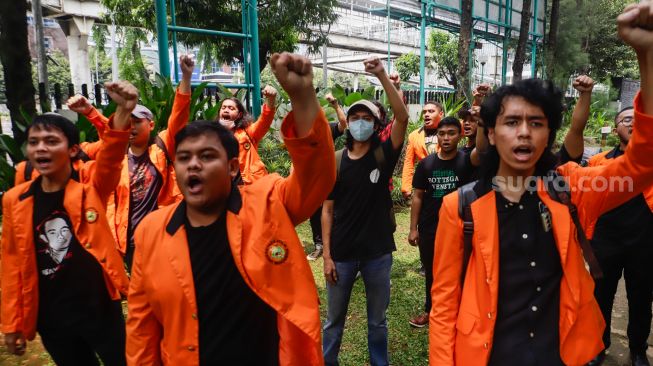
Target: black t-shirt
(564, 157)
(335, 132)
(71, 283)
(144, 187)
(235, 326)
(362, 225)
(437, 178)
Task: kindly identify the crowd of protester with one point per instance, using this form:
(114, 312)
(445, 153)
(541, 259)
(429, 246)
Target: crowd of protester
(522, 250)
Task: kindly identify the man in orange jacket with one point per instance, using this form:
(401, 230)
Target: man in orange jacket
(526, 297)
(221, 278)
(61, 273)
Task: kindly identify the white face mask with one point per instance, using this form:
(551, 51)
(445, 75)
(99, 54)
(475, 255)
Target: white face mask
(227, 124)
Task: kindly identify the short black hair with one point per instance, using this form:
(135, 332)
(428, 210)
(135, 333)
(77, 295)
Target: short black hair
(621, 111)
(542, 93)
(450, 121)
(204, 127)
(49, 121)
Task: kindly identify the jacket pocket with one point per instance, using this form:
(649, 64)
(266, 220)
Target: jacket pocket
(465, 323)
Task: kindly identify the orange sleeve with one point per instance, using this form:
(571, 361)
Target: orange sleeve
(177, 121)
(314, 168)
(11, 302)
(98, 120)
(596, 190)
(409, 166)
(20, 173)
(105, 171)
(258, 130)
(144, 332)
(91, 148)
(446, 290)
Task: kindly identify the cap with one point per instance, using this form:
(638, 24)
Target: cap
(142, 112)
(374, 110)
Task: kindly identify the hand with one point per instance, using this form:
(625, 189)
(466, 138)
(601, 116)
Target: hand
(481, 91)
(79, 104)
(635, 26)
(270, 94)
(374, 66)
(331, 99)
(413, 237)
(187, 64)
(330, 270)
(123, 93)
(584, 84)
(294, 73)
(407, 195)
(16, 343)
(396, 80)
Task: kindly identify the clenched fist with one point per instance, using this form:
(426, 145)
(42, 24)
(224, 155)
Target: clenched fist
(79, 104)
(635, 26)
(270, 95)
(187, 64)
(374, 66)
(294, 73)
(584, 84)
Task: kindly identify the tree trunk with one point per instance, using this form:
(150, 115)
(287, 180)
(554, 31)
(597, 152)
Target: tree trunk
(17, 65)
(553, 38)
(520, 54)
(464, 42)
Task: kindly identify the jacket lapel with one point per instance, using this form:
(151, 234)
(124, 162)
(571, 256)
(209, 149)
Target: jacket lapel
(487, 235)
(175, 243)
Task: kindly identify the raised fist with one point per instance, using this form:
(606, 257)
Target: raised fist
(123, 93)
(187, 64)
(584, 84)
(270, 93)
(635, 26)
(481, 90)
(79, 104)
(374, 66)
(294, 73)
(331, 99)
(396, 80)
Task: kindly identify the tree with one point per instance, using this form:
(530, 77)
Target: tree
(58, 70)
(464, 42)
(520, 53)
(443, 51)
(16, 63)
(552, 38)
(281, 23)
(130, 61)
(407, 65)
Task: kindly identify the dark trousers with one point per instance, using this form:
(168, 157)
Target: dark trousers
(316, 227)
(82, 344)
(636, 263)
(129, 257)
(426, 245)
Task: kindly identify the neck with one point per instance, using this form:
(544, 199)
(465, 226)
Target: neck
(447, 155)
(137, 150)
(471, 141)
(204, 216)
(623, 146)
(511, 183)
(56, 181)
(358, 149)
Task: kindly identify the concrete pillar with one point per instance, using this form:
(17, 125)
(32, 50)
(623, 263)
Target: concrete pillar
(77, 30)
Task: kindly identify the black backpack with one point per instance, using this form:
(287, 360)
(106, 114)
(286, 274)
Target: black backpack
(379, 156)
(470, 192)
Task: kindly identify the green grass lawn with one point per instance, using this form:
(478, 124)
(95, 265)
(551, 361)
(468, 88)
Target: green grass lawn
(408, 346)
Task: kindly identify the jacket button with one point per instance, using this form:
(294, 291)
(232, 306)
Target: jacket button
(87, 246)
(191, 348)
(487, 280)
(194, 316)
(485, 346)
(489, 315)
(103, 260)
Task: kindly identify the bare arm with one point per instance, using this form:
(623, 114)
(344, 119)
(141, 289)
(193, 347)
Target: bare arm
(415, 208)
(342, 117)
(574, 143)
(327, 222)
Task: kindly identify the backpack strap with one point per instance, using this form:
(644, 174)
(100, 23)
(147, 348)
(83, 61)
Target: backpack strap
(339, 162)
(379, 156)
(27, 173)
(162, 145)
(562, 194)
(83, 156)
(466, 196)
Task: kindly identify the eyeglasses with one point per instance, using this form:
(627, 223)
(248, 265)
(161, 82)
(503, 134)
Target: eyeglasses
(626, 121)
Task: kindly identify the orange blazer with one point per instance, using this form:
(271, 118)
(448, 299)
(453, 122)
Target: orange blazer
(261, 218)
(252, 167)
(462, 320)
(415, 152)
(85, 197)
(118, 207)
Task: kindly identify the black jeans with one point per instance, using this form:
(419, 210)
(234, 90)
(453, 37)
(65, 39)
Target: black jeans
(316, 227)
(79, 345)
(636, 263)
(426, 244)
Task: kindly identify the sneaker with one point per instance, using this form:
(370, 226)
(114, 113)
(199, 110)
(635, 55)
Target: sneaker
(317, 253)
(420, 321)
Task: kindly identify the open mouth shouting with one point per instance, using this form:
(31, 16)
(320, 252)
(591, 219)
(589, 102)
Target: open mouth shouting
(43, 163)
(195, 184)
(523, 153)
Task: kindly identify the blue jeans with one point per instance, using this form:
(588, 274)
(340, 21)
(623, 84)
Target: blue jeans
(376, 277)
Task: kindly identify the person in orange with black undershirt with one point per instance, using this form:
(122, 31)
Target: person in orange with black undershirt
(221, 278)
(235, 117)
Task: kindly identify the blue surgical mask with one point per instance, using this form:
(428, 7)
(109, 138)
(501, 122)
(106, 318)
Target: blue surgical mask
(361, 130)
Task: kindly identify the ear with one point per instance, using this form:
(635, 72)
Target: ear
(490, 135)
(43, 237)
(614, 131)
(151, 125)
(234, 167)
(73, 151)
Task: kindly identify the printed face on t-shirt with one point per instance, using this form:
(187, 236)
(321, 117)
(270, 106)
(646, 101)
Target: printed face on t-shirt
(58, 237)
